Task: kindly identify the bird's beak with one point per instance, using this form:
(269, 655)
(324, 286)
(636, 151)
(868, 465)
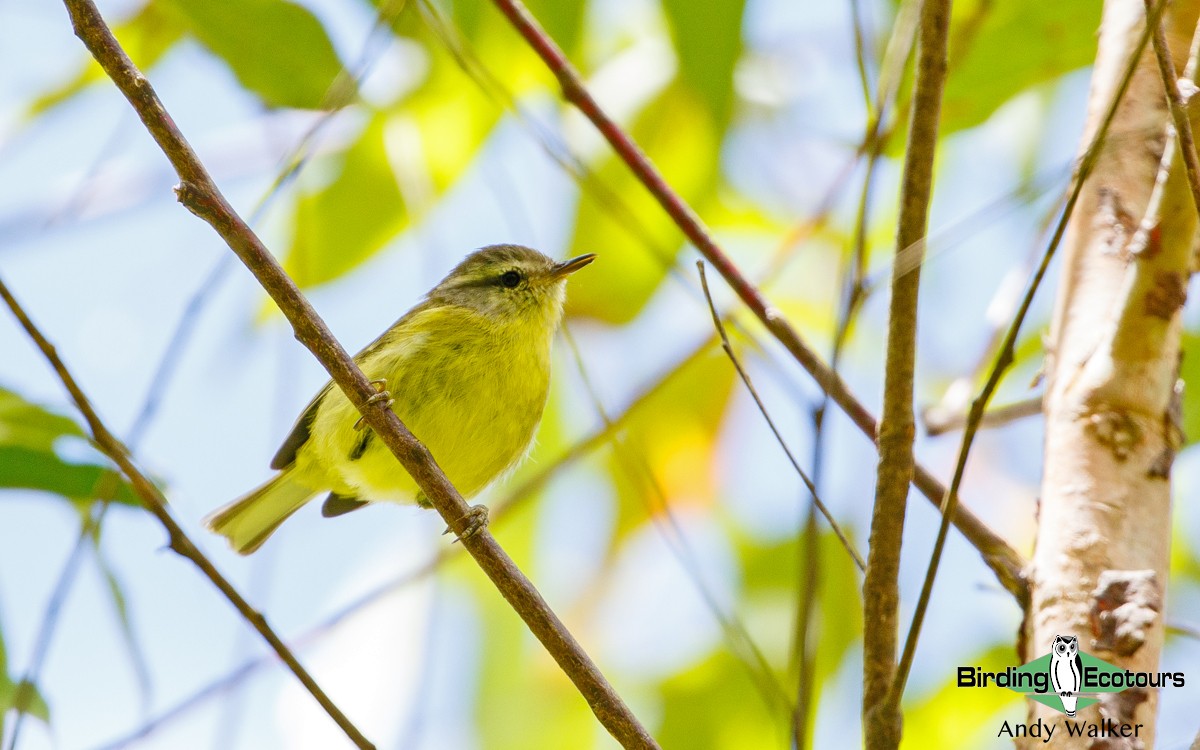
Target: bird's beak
(568, 267)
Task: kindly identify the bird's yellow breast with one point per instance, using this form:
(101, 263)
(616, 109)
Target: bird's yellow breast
(469, 388)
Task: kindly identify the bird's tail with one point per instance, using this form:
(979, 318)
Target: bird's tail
(249, 520)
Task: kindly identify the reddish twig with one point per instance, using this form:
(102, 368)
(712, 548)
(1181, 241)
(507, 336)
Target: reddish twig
(1004, 562)
(200, 194)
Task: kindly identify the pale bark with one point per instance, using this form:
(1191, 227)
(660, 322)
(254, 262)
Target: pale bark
(1099, 570)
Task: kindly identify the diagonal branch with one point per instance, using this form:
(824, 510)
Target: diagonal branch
(200, 195)
(1003, 560)
(156, 503)
(501, 510)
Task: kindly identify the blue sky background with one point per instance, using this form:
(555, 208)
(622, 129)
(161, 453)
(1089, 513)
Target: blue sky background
(93, 243)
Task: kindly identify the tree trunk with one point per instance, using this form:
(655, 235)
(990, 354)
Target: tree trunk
(1099, 570)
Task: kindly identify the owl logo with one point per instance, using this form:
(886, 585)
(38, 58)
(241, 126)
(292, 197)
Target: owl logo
(1066, 671)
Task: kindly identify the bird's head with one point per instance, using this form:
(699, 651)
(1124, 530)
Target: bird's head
(510, 284)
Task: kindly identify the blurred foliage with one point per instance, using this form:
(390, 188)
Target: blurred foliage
(145, 37)
(407, 150)
(953, 717)
(666, 446)
(18, 695)
(708, 45)
(618, 214)
(29, 435)
(276, 48)
(984, 71)
(364, 188)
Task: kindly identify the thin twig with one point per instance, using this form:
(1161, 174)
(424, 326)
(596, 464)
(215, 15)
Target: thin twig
(808, 483)
(46, 628)
(1179, 115)
(1004, 359)
(939, 420)
(154, 501)
(200, 195)
(636, 465)
(860, 52)
(1007, 565)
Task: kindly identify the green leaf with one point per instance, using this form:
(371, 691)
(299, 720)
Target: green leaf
(277, 49)
(28, 435)
(433, 135)
(714, 705)
(23, 468)
(145, 37)
(24, 698)
(352, 217)
(708, 41)
(562, 20)
(997, 62)
(31, 426)
(619, 219)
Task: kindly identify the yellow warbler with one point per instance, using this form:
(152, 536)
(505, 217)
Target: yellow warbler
(468, 371)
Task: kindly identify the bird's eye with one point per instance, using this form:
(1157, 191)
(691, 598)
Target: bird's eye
(510, 279)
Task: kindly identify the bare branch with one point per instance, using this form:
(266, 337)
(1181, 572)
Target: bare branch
(200, 195)
(855, 291)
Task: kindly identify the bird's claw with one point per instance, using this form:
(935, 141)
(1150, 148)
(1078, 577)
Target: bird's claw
(477, 520)
(381, 394)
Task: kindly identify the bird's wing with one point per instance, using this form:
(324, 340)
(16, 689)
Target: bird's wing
(286, 455)
(338, 505)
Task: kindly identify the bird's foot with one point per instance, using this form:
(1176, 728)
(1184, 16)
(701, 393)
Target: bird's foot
(477, 520)
(381, 395)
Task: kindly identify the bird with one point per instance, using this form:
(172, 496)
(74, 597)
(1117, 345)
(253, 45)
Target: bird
(1066, 671)
(467, 370)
